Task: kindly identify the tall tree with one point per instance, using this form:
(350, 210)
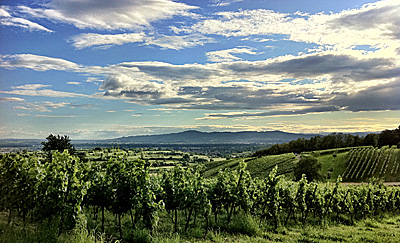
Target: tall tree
(389, 137)
(59, 143)
(310, 166)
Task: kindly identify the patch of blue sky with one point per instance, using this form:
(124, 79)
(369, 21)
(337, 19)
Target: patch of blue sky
(307, 6)
(236, 81)
(365, 48)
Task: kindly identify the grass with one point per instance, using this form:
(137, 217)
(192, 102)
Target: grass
(385, 229)
(332, 166)
(243, 228)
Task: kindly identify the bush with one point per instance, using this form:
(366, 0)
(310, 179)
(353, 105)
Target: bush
(141, 236)
(244, 224)
(309, 166)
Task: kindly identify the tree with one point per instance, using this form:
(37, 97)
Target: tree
(389, 137)
(310, 166)
(59, 143)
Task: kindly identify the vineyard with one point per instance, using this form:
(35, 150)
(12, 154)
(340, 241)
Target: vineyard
(120, 196)
(257, 167)
(370, 162)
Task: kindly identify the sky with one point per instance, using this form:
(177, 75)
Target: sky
(97, 69)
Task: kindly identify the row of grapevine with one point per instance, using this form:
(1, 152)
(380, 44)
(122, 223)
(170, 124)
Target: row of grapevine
(396, 164)
(368, 162)
(264, 165)
(64, 189)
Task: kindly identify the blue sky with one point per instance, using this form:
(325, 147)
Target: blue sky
(94, 69)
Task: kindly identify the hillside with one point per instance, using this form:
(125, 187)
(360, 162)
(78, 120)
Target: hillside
(357, 164)
(258, 167)
(196, 137)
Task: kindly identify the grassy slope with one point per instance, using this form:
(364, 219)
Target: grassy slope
(335, 164)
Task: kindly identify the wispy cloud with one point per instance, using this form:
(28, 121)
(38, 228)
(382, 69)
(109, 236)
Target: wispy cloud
(36, 62)
(74, 83)
(374, 24)
(105, 41)
(8, 20)
(41, 106)
(107, 15)
(39, 90)
(227, 55)
(11, 99)
(220, 3)
(178, 42)
(51, 116)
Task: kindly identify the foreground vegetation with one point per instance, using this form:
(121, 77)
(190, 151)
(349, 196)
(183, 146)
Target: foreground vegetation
(121, 200)
(378, 229)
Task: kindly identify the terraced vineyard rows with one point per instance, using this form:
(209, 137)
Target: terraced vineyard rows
(368, 162)
(261, 167)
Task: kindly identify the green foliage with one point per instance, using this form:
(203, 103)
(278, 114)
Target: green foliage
(61, 179)
(309, 166)
(65, 192)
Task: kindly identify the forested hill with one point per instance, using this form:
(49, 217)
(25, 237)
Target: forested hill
(334, 140)
(196, 137)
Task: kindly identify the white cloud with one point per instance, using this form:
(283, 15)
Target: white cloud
(51, 116)
(74, 83)
(327, 79)
(135, 89)
(178, 42)
(38, 90)
(226, 55)
(104, 14)
(243, 23)
(221, 3)
(375, 25)
(35, 62)
(8, 20)
(105, 41)
(10, 99)
(31, 86)
(42, 106)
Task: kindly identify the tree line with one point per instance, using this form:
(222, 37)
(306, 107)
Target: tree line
(332, 141)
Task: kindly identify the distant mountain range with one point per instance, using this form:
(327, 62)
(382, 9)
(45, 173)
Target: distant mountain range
(186, 137)
(196, 137)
